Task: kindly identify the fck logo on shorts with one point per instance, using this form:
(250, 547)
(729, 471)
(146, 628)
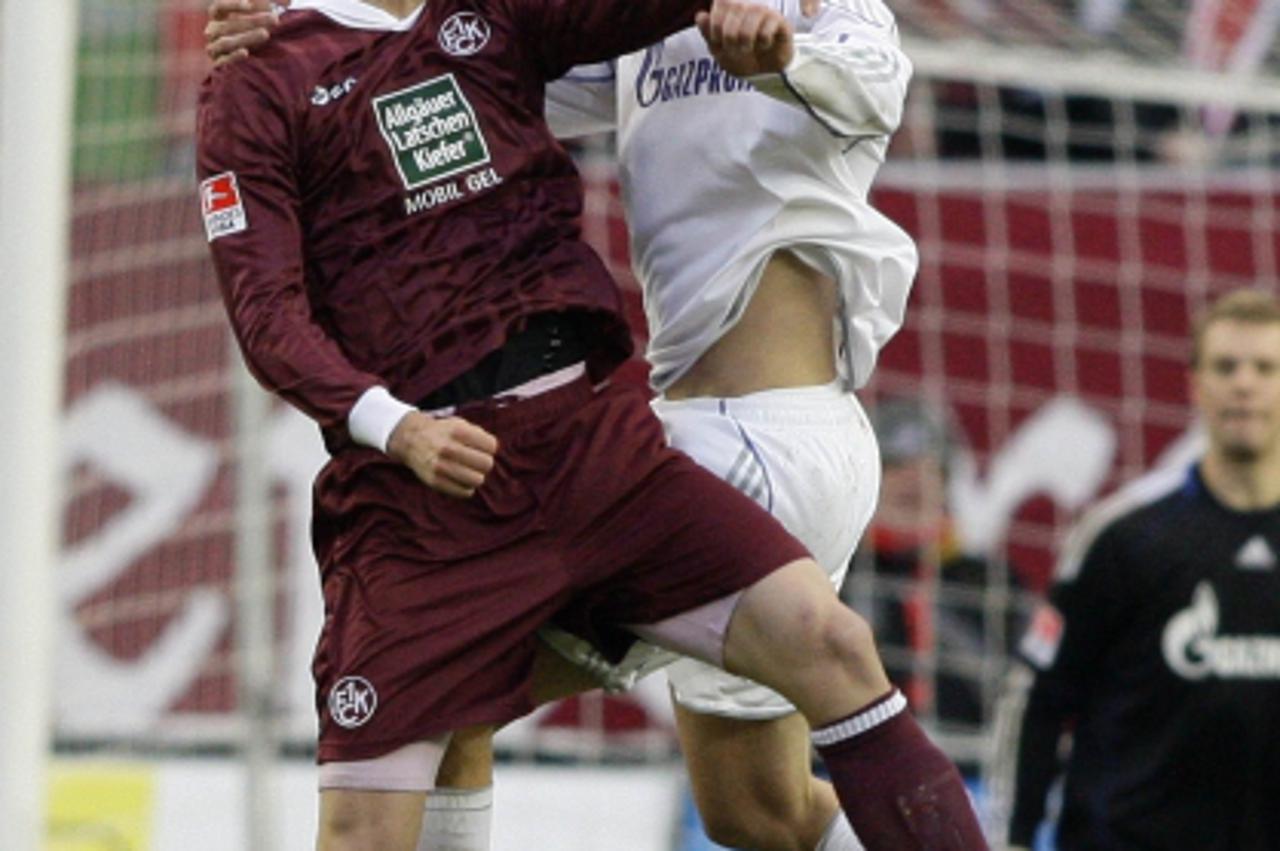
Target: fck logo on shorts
(352, 702)
(221, 205)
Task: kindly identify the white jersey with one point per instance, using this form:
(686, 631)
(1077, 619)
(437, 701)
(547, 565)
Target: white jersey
(717, 174)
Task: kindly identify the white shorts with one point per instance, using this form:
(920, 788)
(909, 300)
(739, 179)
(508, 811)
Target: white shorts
(809, 456)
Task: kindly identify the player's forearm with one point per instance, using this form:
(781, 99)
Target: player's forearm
(1037, 766)
(316, 379)
(250, 203)
(266, 302)
(287, 352)
(256, 244)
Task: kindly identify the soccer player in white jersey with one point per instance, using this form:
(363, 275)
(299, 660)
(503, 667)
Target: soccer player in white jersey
(770, 284)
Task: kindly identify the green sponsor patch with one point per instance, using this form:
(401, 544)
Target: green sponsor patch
(432, 131)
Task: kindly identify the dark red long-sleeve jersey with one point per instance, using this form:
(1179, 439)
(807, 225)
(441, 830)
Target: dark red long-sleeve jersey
(384, 201)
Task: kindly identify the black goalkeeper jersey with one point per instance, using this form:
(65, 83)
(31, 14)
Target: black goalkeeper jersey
(1160, 650)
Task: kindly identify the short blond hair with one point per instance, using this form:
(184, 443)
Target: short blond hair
(1247, 305)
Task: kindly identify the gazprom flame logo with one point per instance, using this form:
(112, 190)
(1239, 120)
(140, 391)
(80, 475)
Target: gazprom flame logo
(352, 702)
(1194, 650)
(463, 34)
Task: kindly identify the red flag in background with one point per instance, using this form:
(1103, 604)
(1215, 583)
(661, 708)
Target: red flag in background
(1231, 36)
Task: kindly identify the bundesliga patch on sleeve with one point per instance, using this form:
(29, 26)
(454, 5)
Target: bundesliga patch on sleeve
(1040, 644)
(223, 210)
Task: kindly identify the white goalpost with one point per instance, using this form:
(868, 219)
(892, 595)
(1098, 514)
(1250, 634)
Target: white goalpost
(35, 125)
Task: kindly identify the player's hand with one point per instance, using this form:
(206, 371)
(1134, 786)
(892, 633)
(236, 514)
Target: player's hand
(448, 454)
(809, 8)
(237, 26)
(746, 38)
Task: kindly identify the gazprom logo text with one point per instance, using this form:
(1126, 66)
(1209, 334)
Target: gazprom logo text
(1194, 650)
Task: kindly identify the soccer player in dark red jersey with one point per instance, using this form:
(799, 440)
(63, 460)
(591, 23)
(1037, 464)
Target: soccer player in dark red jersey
(395, 233)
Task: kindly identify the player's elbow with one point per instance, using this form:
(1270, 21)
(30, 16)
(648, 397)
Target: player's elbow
(890, 97)
(884, 101)
(887, 110)
(872, 111)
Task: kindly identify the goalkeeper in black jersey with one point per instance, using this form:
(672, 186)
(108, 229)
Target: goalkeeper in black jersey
(1158, 651)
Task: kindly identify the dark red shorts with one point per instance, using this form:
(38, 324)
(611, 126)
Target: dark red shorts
(432, 604)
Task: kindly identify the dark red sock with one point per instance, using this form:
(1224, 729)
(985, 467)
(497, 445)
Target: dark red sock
(899, 791)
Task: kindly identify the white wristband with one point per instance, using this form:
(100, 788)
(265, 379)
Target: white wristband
(374, 416)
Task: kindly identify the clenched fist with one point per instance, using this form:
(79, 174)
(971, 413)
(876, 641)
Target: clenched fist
(747, 38)
(449, 454)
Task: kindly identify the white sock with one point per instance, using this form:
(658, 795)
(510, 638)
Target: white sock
(839, 836)
(457, 820)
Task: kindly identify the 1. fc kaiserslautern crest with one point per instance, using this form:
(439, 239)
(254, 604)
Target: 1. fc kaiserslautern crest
(463, 34)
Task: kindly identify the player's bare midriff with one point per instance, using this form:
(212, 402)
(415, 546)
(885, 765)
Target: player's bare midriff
(786, 337)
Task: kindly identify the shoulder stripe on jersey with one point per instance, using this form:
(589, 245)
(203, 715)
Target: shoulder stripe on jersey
(1137, 494)
(873, 64)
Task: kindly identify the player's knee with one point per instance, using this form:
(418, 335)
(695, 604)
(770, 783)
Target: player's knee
(346, 826)
(829, 633)
(847, 639)
(796, 636)
(804, 622)
(345, 829)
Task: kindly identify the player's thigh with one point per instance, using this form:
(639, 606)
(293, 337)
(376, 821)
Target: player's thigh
(468, 761)
(556, 677)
